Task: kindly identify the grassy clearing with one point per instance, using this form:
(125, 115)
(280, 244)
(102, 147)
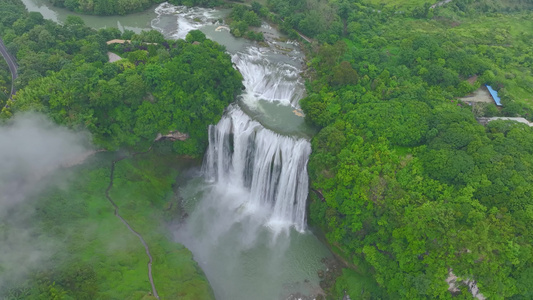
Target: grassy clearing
(502, 40)
(101, 258)
(143, 190)
(357, 285)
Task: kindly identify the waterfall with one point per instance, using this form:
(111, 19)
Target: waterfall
(186, 19)
(267, 80)
(246, 215)
(272, 168)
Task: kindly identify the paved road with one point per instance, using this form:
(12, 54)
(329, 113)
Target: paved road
(11, 64)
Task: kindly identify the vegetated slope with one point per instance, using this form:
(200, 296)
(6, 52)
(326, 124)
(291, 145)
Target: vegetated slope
(406, 183)
(98, 257)
(162, 86)
(105, 7)
(473, 5)
(173, 86)
(5, 82)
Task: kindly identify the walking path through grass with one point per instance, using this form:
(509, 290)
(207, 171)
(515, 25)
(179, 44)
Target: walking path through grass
(150, 259)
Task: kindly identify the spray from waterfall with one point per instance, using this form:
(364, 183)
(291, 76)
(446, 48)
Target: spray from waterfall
(245, 215)
(270, 167)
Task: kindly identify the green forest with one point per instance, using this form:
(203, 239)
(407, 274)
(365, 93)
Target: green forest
(5, 82)
(105, 7)
(99, 258)
(159, 86)
(406, 186)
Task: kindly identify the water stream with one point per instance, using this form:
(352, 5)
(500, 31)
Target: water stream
(135, 22)
(246, 211)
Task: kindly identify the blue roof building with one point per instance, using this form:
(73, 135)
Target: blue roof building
(494, 95)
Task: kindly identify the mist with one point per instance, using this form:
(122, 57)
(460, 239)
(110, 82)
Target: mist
(31, 148)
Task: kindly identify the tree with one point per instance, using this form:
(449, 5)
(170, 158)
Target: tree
(195, 36)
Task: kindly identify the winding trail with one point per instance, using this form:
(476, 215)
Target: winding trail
(147, 250)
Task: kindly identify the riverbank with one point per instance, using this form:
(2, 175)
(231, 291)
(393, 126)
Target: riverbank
(296, 257)
(341, 276)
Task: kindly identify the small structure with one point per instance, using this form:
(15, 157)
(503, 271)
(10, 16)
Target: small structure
(494, 95)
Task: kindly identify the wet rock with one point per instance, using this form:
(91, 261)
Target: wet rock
(333, 269)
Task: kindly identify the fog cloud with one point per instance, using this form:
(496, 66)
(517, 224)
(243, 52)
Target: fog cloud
(31, 148)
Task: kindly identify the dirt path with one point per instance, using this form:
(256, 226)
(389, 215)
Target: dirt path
(146, 248)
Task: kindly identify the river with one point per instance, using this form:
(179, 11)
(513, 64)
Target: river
(246, 210)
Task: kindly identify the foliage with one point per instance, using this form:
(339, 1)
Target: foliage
(99, 257)
(242, 17)
(123, 7)
(5, 82)
(311, 17)
(105, 7)
(412, 185)
(162, 87)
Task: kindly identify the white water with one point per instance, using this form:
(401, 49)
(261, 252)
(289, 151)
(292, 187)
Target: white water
(268, 80)
(270, 168)
(246, 215)
(246, 224)
(187, 19)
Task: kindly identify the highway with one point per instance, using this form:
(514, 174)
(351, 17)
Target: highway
(11, 64)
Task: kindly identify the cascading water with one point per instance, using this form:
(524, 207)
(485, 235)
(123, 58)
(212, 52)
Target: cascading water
(269, 81)
(255, 182)
(188, 18)
(271, 167)
(246, 215)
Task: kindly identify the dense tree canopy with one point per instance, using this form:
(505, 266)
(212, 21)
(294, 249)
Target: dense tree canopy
(169, 86)
(243, 17)
(159, 86)
(406, 183)
(181, 86)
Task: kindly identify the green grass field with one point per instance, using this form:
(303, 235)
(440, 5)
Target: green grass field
(508, 36)
(100, 258)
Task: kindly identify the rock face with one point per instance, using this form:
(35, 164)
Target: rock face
(471, 284)
(173, 136)
(113, 57)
